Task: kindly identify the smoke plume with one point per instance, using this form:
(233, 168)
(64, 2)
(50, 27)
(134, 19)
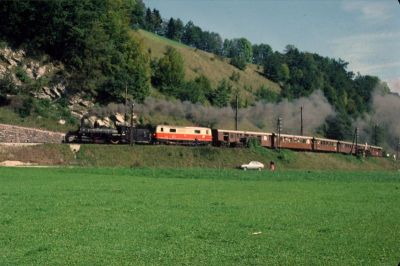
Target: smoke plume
(386, 116)
(261, 116)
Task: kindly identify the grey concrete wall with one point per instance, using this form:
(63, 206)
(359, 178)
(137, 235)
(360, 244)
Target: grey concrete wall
(17, 134)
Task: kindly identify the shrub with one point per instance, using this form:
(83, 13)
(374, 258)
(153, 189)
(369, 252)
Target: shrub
(6, 86)
(253, 143)
(21, 74)
(239, 62)
(235, 76)
(26, 107)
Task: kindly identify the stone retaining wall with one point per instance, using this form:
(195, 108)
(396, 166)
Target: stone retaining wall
(17, 134)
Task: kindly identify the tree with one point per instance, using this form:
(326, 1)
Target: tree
(148, 21)
(261, 53)
(138, 15)
(153, 21)
(196, 90)
(157, 21)
(283, 73)
(169, 73)
(338, 127)
(266, 95)
(191, 35)
(220, 96)
(174, 29)
(271, 66)
(213, 42)
(241, 53)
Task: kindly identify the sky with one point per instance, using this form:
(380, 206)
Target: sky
(365, 33)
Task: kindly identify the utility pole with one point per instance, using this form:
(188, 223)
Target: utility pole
(356, 133)
(398, 148)
(236, 111)
(279, 129)
(126, 102)
(354, 144)
(376, 135)
(301, 121)
(131, 127)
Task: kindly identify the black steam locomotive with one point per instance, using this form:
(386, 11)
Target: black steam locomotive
(119, 135)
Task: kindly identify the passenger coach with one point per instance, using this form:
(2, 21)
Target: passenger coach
(293, 142)
(236, 138)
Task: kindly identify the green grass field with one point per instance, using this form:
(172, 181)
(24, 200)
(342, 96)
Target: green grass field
(144, 216)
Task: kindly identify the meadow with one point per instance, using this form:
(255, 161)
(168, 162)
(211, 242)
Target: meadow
(148, 216)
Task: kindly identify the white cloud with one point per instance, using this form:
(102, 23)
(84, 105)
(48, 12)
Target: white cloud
(368, 10)
(372, 53)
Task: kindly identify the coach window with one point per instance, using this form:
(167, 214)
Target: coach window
(162, 129)
(207, 132)
(197, 131)
(172, 130)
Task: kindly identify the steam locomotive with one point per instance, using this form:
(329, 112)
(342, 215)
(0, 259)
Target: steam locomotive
(179, 135)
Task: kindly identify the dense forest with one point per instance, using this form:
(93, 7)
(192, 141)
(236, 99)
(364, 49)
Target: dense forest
(92, 39)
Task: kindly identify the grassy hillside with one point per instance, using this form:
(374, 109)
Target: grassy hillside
(187, 157)
(215, 68)
(197, 217)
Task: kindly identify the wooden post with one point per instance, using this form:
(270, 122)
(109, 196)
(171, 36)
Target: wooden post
(301, 121)
(236, 111)
(131, 127)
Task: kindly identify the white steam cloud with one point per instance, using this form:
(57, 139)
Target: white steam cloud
(386, 115)
(258, 117)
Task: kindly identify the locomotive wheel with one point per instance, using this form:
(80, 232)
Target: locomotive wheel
(70, 138)
(114, 140)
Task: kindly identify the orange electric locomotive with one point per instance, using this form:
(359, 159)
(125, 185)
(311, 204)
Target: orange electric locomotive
(182, 135)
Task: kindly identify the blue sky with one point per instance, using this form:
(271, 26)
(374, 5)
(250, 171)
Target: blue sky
(362, 32)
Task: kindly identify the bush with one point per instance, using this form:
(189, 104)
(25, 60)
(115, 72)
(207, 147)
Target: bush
(20, 73)
(3, 44)
(253, 143)
(26, 107)
(239, 62)
(235, 76)
(6, 86)
(266, 95)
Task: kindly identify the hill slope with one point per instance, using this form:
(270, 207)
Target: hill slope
(215, 68)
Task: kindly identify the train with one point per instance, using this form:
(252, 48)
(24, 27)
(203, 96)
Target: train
(197, 136)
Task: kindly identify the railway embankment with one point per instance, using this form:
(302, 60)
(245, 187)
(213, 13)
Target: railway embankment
(18, 134)
(164, 156)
